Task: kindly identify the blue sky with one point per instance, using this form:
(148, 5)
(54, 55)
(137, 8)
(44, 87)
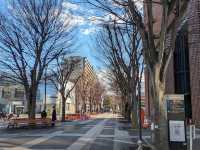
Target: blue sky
(87, 20)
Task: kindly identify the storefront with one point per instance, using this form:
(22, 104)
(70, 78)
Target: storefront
(5, 106)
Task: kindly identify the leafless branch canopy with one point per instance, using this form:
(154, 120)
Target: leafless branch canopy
(32, 36)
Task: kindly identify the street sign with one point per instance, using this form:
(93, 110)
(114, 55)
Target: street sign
(177, 131)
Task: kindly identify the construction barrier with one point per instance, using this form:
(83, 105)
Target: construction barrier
(72, 117)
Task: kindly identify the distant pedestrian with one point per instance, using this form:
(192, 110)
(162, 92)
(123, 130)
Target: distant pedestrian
(53, 116)
(43, 114)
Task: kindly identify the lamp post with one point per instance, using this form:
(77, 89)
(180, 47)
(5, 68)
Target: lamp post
(45, 89)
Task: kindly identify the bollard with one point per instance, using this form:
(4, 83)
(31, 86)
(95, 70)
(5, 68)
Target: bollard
(192, 135)
(139, 142)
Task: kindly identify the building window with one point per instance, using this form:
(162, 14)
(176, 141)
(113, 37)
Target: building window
(68, 106)
(181, 68)
(19, 93)
(6, 93)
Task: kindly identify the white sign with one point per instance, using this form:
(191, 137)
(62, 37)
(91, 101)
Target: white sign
(175, 96)
(176, 131)
(17, 103)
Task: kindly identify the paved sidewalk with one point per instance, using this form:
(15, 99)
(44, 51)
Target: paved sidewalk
(94, 134)
(3, 124)
(196, 141)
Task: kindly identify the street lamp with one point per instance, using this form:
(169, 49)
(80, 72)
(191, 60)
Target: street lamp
(45, 89)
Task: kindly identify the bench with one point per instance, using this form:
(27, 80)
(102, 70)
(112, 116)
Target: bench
(24, 122)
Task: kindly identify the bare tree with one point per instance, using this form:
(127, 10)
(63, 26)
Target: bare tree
(65, 73)
(32, 35)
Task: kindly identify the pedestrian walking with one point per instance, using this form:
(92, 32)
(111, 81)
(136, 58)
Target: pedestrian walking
(53, 116)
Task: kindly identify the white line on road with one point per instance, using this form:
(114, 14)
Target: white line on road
(120, 138)
(27, 145)
(89, 137)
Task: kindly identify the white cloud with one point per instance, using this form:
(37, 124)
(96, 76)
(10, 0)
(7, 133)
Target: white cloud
(94, 20)
(71, 6)
(139, 4)
(88, 31)
(73, 20)
(97, 20)
(78, 20)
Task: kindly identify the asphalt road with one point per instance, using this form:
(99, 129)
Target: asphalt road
(101, 133)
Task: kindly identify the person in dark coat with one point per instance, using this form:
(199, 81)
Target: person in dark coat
(53, 116)
(43, 114)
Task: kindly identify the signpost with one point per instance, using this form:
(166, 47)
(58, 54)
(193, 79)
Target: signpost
(176, 122)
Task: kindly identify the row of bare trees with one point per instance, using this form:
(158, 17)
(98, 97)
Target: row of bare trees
(89, 93)
(120, 47)
(157, 46)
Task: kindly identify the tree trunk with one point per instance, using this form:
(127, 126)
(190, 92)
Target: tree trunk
(160, 134)
(134, 110)
(31, 97)
(134, 116)
(63, 107)
(123, 106)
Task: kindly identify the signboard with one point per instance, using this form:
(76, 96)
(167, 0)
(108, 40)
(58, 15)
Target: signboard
(175, 106)
(176, 131)
(17, 102)
(175, 103)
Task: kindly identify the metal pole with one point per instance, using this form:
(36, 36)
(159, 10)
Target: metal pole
(140, 121)
(140, 124)
(45, 89)
(191, 137)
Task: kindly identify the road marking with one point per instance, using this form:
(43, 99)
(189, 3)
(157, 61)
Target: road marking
(89, 137)
(124, 137)
(69, 134)
(121, 136)
(27, 145)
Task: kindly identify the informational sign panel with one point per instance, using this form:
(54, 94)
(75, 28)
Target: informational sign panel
(175, 103)
(177, 131)
(175, 106)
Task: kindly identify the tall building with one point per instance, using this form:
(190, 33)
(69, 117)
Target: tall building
(183, 73)
(87, 100)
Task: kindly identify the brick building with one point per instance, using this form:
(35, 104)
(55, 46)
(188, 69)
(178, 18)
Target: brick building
(183, 74)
